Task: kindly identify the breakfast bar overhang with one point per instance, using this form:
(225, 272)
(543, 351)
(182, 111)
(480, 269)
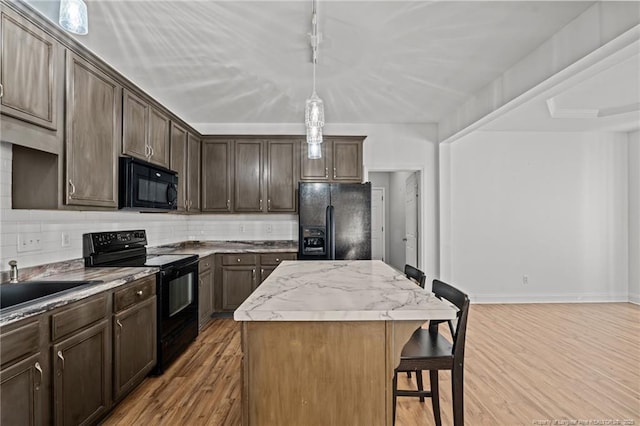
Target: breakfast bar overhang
(321, 339)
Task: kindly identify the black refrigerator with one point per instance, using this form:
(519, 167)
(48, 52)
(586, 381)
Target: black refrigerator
(334, 221)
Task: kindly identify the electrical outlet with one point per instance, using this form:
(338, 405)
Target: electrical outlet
(525, 279)
(29, 241)
(269, 228)
(66, 240)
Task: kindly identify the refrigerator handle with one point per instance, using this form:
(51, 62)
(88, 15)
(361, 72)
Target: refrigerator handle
(331, 231)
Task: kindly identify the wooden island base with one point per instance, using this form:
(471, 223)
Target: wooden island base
(320, 372)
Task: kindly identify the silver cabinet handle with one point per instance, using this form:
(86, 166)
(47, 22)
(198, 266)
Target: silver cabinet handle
(151, 151)
(253, 274)
(269, 204)
(326, 173)
(238, 259)
(37, 367)
(261, 204)
(228, 204)
(147, 150)
(1, 90)
(119, 324)
(334, 172)
(139, 292)
(61, 358)
(73, 188)
(277, 260)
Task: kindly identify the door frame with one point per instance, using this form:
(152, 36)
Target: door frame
(384, 216)
(421, 243)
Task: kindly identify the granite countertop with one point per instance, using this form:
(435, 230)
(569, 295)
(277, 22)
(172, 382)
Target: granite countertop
(111, 277)
(74, 270)
(206, 248)
(357, 290)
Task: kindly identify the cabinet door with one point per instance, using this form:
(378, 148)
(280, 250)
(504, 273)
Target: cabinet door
(179, 162)
(282, 176)
(205, 297)
(248, 171)
(347, 160)
(315, 170)
(217, 176)
(158, 138)
(237, 285)
(135, 116)
(20, 387)
(28, 59)
(134, 350)
(193, 170)
(82, 379)
(265, 271)
(93, 134)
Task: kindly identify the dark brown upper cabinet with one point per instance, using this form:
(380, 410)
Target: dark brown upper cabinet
(93, 134)
(249, 175)
(248, 171)
(281, 175)
(179, 162)
(217, 175)
(31, 84)
(341, 161)
(193, 173)
(146, 130)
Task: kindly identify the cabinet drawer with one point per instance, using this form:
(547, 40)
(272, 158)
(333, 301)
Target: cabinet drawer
(136, 292)
(238, 259)
(78, 316)
(20, 342)
(205, 263)
(276, 258)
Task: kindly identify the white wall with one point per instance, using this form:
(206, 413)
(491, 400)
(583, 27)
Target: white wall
(551, 206)
(161, 228)
(634, 217)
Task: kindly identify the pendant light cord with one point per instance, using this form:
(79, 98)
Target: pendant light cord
(314, 41)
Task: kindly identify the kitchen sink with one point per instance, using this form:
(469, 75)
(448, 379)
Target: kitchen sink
(29, 291)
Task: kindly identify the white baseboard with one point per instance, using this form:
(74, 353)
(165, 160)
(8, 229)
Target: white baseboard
(634, 298)
(554, 298)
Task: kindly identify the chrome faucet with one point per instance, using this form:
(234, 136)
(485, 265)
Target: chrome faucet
(13, 274)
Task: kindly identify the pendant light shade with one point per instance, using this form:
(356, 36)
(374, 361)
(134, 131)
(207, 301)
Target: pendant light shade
(314, 135)
(73, 16)
(314, 111)
(314, 151)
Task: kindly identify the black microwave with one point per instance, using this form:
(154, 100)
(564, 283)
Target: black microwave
(146, 187)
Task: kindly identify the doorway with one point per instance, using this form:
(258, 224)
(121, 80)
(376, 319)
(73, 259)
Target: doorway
(401, 204)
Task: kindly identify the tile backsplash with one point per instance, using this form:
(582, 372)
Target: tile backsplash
(45, 236)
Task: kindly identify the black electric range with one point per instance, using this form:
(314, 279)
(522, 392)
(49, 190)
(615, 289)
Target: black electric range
(176, 286)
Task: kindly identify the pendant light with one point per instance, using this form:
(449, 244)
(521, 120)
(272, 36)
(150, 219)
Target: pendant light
(314, 107)
(73, 16)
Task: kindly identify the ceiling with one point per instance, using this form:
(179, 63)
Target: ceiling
(379, 62)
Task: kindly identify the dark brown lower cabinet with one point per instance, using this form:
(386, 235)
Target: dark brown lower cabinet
(82, 376)
(237, 284)
(21, 390)
(134, 346)
(205, 296)
(238, 275)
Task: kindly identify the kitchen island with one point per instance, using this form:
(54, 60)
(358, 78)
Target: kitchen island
(321, 339)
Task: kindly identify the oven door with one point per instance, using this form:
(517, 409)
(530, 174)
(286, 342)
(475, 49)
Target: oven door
(179, 298)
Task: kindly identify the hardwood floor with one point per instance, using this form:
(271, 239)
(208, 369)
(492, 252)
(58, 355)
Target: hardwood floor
(524, 365)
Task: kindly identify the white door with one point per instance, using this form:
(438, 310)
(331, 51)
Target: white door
(411, 220)
(377, 223)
